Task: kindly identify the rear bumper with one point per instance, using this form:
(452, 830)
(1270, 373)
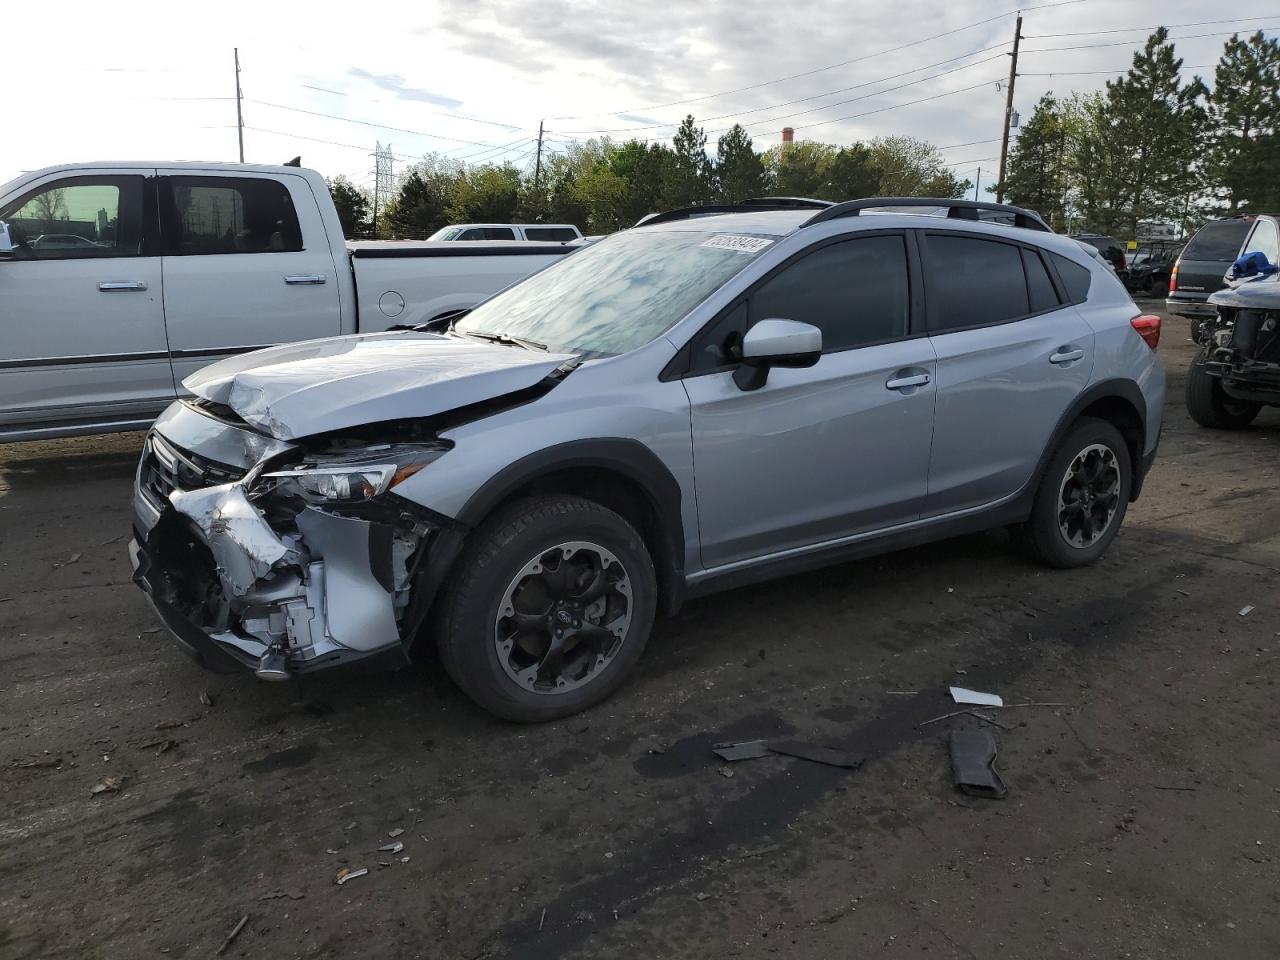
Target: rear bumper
(1194, 309)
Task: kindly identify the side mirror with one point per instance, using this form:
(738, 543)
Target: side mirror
(776, 343)
(7, 244)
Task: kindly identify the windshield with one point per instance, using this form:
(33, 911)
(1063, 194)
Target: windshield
(1220, 240)
(618, 294)
(445, 233)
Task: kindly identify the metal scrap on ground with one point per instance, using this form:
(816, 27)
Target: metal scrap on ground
(754, 749)
(235, 932)
(973, 761)
(962, 695)
(346, 873)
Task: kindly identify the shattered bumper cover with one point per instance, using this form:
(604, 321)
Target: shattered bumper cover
(319, 590)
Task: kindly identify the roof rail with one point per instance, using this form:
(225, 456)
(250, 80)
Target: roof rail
(956, 210)
(752, 205)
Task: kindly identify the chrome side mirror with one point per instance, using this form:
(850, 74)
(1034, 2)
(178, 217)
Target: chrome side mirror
(776, 343)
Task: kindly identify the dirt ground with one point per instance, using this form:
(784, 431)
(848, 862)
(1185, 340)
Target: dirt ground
(1143, 818)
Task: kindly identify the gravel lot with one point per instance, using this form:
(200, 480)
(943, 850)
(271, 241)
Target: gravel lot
(1143, 818)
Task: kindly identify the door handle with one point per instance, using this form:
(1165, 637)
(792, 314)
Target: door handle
(902, 383)
(1066, 355)
(117, 286)
(300, 279)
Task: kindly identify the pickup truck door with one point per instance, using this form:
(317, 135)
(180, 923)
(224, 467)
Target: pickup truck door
(247, 264)
(82, 338)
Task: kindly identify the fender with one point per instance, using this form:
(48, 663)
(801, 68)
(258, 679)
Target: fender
(1119, 388)
(630, 458)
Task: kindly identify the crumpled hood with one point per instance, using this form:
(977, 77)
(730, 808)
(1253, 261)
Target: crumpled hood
(300, 389)
(1255, 293)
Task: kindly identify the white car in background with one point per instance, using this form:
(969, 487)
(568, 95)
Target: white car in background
(547, 232)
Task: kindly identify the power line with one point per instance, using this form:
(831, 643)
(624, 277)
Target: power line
(828, 93)
(434, 113)
(895, 106)
(1131, 43)
(1170, 26)
(367, 123)
(1090, 73)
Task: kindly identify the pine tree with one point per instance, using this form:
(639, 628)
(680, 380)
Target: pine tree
(1037, 177)
(1150, 135)
(739, 170)
(690, 177)
(352, 204)
(1244, 113)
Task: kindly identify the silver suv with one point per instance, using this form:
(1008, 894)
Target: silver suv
(690, 405)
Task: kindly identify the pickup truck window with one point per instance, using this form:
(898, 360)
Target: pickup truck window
(560, 234)
(78, 218)
(215, 215)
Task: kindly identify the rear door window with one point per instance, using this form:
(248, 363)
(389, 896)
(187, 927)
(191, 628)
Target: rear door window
(499, 233)
(1039, 286)
(560, 234)
(973, 282)
(1219, 240)
(1075, 278)
(217, 215)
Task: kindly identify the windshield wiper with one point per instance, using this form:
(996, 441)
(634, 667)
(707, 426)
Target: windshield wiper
(503, 338)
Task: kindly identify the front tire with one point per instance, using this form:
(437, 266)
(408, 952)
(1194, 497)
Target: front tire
(1082, 497)
(1209, 404)
(549, 608)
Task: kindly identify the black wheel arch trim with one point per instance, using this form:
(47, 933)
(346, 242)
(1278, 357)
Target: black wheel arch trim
(626, 457)
(1118, 388)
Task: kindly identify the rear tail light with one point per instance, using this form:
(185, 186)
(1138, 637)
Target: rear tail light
(1173, 277)
(1148, 327)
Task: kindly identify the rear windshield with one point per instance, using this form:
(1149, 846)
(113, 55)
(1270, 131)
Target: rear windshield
(1220, 240)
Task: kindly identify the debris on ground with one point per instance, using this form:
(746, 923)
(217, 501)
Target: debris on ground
(743, 750)
(174, 724)
(391, 847)
(206, 698)
(163, 743)
(726, 772)
(973, 761)
(281, 894)
(1245, 611)
(108, 785)
(395, 833)
(814, 753)
(346, 873)
(542, 919)
(976, 697)
(235, 932)
(37, 762)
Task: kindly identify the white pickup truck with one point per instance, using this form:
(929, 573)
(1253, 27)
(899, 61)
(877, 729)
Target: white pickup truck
(118, 280)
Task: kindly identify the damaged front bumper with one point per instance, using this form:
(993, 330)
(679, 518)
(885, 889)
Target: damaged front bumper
(240, 586)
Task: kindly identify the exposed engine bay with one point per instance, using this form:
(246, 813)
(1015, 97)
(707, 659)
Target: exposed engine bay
(1242, 344)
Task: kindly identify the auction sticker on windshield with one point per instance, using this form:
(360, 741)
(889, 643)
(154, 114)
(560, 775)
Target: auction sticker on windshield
(729, 241)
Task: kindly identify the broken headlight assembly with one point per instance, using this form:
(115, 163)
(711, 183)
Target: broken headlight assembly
(354, 476)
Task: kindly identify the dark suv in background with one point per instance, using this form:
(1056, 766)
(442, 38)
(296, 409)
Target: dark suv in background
(1112, 251)
(1202, 268)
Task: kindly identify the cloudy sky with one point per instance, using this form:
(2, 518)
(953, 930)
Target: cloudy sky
(472, 78)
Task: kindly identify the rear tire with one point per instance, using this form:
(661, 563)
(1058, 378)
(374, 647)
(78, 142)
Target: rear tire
(530, 563)
(1082, 497)
(1159, 289)
(1209, 404)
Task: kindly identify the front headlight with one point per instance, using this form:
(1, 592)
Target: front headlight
(347, 478)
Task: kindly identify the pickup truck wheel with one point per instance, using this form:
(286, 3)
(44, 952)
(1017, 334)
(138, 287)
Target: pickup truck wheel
(1209, 404)
(548, 610)
(1082, 497)
(1159, 289)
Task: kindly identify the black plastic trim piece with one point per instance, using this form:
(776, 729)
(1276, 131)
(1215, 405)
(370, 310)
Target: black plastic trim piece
(85, 358)
(754, 205)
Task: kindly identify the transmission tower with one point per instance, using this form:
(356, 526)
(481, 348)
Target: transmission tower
(384, 180)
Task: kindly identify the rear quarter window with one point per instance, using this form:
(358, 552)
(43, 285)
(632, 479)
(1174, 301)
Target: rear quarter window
(1220, 240)
(1074, 277)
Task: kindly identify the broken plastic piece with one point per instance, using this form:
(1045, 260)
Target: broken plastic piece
(809, 751)
(346, 874)
(1245, 611)
(395, 833)
(973, 761)
(961, 695)
(391, 847)
(744, 750)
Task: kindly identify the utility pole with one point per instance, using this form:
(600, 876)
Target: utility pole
(239, 115)
(537, 166)
(977, 181)
(1008, 109)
